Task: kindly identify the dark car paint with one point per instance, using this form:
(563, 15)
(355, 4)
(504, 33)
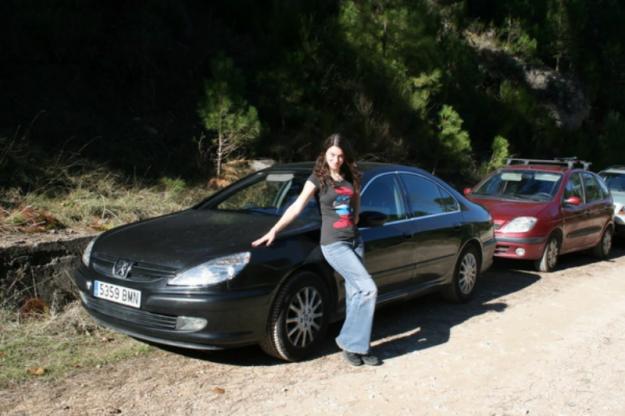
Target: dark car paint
(237, 310)
(187, 238)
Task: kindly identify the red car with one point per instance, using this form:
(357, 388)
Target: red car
(544, 208)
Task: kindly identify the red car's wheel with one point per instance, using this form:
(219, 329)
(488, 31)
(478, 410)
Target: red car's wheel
(548, 261)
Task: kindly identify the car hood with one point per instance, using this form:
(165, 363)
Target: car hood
(190, 237)
(503, 211)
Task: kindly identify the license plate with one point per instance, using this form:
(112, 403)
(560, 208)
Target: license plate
(117, 294)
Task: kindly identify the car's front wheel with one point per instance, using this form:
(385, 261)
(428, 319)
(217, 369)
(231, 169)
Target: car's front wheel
(547, 262)
(298, 319)
(602, 249)
(465, 276)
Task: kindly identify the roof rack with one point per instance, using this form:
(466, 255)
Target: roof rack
(569, 162)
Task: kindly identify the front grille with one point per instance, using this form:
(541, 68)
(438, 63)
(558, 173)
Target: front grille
(140, 272)
(136, 316)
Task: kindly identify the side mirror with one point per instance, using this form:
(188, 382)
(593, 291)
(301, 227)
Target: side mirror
(573, 201)
(372, 219)
(467, 191)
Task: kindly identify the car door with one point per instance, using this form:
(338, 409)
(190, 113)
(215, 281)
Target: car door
(575, 221)
(387, 251)
(597, 209)
(434, 229)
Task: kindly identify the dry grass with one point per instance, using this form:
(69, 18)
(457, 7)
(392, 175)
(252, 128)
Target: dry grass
(53, 345)
(41, 192)
(96, 204)
(99, 200)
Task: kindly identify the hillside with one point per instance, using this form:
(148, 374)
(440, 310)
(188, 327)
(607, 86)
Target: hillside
(428, 82)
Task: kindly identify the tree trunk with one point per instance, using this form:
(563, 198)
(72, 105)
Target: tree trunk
(220, 147)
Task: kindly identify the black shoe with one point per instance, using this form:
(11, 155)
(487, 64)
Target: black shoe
(352, 358)
(370, 359)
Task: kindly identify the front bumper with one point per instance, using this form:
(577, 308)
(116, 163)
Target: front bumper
(234, 318)
(520, 248)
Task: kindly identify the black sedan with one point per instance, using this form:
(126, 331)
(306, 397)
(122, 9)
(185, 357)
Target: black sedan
(191, 279)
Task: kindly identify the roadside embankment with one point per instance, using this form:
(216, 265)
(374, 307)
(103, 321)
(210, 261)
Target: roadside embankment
(39, 267)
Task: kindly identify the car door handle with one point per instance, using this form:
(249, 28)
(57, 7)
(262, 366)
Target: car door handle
(457, 226)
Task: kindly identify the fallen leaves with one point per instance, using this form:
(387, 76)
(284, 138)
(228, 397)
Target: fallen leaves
(28, 219)
(99, 225)
(34, 308)
(36, 371)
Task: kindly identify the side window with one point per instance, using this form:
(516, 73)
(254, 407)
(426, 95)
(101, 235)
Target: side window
(384, 195)
(574, 187)
(591, 188)
(426, 197)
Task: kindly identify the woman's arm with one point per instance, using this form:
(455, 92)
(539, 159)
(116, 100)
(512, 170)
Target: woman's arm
(289, 215)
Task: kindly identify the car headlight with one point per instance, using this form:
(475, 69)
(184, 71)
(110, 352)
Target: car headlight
(212, 272)
(519, 225)
(86, 254)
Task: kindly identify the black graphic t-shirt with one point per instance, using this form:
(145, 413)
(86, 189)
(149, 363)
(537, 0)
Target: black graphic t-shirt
(337, 213)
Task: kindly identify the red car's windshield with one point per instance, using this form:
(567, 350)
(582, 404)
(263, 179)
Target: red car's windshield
(527, 185)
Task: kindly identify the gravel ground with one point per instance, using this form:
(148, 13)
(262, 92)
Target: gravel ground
(541, 344)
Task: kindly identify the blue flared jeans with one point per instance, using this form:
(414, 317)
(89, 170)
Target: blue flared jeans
(346, 257)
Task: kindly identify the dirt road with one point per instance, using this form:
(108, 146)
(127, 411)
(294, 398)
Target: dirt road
(528, 344)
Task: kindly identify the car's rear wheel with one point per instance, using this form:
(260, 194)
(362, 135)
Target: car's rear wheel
(549, 259)
(298, 319)
(465, 277)
(602, 249)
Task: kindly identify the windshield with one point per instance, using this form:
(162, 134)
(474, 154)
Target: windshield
(615, 181)
(268, 193)
(521, 185)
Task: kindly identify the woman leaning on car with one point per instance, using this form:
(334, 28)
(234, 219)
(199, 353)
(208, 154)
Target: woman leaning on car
(336, 180)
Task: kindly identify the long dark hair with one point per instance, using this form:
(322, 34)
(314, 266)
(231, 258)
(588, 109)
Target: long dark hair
(349, 169)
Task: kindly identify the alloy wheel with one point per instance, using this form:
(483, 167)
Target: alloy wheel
(467, 273)
(607, 242)
(304, 317)
(552, 253)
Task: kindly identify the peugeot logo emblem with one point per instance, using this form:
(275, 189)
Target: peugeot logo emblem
(122, 268)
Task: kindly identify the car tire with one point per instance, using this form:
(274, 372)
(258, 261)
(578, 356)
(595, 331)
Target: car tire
(549, 259)
(603, 247)
(466, 273)
(298, 319)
